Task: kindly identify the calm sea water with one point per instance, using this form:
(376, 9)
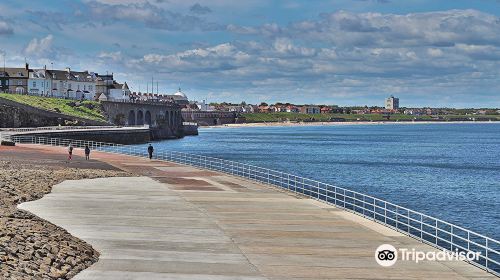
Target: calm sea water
(450, 171)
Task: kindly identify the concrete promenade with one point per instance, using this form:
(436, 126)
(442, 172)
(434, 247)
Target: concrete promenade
(178, 222)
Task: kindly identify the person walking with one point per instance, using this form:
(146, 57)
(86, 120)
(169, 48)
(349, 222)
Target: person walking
(150, 151)
(87, 152)
(70, 151)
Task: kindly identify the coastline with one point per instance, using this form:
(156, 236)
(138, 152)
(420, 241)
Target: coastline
(289, 124)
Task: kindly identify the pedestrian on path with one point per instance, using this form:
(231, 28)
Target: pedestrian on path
(150, 151)
(87, 152)
(70, 151)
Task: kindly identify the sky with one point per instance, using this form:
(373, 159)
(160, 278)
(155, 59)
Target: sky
(436, 53)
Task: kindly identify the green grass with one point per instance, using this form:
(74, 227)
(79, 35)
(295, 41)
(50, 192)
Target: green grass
(60, 106)
(280, 117)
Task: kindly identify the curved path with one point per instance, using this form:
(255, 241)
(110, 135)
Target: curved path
(178, 222)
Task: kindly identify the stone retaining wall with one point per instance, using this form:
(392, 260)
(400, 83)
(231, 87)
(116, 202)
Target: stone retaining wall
(14, 114)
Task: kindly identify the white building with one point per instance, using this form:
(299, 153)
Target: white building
(72, 85)
(179, 97)
(203, 106)
(119, 92)
(83, 85)
(392, 103)
(39, 82)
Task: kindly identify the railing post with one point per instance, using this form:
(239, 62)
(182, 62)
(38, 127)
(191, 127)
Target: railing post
(408, 221)
(421, 228)
(468, 240)
(295, 184)
(451, 238)
(436, 231)
(364, 205)
(486, 255)
(397, 217)
(344, 198)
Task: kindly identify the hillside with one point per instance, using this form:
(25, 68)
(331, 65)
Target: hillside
(279, 117)
(86, 109)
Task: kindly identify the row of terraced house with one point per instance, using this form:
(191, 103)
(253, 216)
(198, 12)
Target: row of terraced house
(78, 85)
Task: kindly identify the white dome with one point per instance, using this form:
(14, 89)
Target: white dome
(180, 93)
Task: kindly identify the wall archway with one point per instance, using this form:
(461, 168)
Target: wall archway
(131, 117)
(147, 118)
(167, 118)
(140, 118)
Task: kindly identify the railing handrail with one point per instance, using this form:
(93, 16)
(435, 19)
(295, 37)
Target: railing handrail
(51, 128)
(393, 215)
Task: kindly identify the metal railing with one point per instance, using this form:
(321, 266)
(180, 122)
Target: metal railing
(425, 228)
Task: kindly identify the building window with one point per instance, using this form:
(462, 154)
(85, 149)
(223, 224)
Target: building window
(69, 85)
(34, 84)
(84, 87)
(19, 82)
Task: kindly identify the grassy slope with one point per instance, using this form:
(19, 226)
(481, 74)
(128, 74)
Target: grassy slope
(50, 104)
(276, 117)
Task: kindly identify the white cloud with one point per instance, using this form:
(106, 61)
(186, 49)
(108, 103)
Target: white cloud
(114, 56)
(347, 29)
(435, 52)
(151, 15)
(40, 47)
(5, 28)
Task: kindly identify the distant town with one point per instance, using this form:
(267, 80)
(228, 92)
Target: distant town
(87, 85)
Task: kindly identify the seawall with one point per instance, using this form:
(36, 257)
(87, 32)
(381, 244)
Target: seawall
(123, 136)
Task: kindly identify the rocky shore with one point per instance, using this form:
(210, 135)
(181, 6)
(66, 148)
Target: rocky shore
(30, 247)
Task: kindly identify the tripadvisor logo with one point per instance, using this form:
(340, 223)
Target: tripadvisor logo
(387, 255)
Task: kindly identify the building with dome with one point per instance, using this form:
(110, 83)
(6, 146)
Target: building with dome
(179, 97)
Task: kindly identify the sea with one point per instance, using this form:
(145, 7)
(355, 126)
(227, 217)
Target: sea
(449, 171)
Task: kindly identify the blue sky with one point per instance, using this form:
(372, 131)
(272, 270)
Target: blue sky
(345, 52)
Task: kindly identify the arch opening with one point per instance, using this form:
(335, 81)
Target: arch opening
(140, 118)
(147, 118)
(131, 117)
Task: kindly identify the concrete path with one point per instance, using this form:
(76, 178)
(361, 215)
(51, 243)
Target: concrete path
(178, 222)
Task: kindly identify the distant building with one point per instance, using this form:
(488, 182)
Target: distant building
(392, 103)
(103, 84)
(39, 82)
(292, 109)
(71, 84)
(117, 92)
(326, 110)
(14, 80)
(203, 106)
(310, 109)
(83, 85)
(264, 109)
(179, 97)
